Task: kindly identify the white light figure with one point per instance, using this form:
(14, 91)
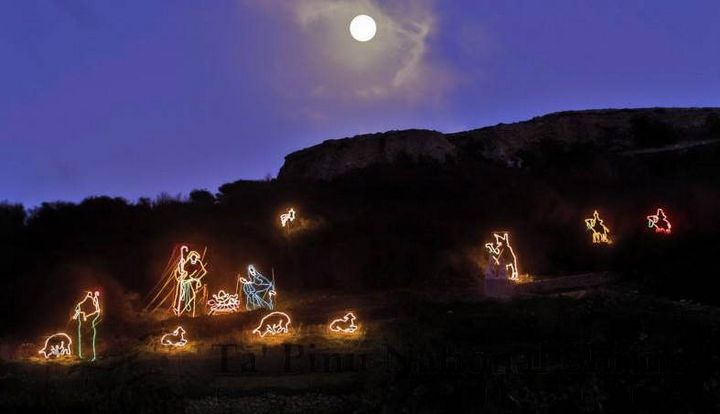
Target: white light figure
(88, 307)
(504, 262)
(259, 290)
(188, 276)
(287, 218)
(345, 325)
(275, 323)
(223, 302)
(57, 346)
(175, 339)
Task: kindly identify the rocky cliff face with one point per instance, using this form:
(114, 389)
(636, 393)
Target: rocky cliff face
(604, 131)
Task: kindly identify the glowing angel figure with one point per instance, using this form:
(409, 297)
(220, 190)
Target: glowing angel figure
(223, 302)
(57, 346)
(600, 232)
(88, 308)
(660, 222)
(188, 274)
(345, 325)
(275, 323)
(259, 291)
(175, 339)
(503, 257)
(287, 218)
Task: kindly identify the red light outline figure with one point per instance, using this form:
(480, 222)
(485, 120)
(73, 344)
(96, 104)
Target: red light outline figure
(665, 226)
(601, 234)
(501, 246)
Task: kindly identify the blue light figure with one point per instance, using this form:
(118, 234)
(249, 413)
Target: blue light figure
(259, 290)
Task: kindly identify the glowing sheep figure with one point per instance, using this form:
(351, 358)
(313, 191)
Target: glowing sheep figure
(175, 339)
(57, 346)
(660, 222)
(600, 232)
(88, 307)
(275, 323)
(503, 256)
(188, 274)
(259, 290)
(345, 325)
(287, 218)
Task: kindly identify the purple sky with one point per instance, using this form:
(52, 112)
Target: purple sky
(133, 98)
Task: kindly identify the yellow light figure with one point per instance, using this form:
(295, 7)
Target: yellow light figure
(188, 274)
(344, 325)
(287, 218)
(275, 323)
(223, 302)
(57, 346)
(659, 221)
(175, 339)
(600, 232)
(503, 257)
(88, 308)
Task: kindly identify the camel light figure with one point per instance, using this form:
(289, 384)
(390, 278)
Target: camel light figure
(287, 218)
(659, 221)
(88, 308)
(600, 232)
(345, 325)
(503, 254)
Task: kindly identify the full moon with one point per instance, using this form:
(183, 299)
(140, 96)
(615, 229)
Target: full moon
(363, 28)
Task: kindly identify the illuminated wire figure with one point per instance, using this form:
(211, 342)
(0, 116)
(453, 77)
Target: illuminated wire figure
(345, 325)
(600, 232)
(287, 218)
(88, 308)
(223, 302)
(660, 222)
(259, 290)
(188, 275)
(57, 346)
(275, 323)
(504, 262)
(175, 339)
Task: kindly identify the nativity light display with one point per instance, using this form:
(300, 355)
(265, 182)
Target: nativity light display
(87, 310)
(344, 325)
(275, 323)
(175, 339)
(188, 275)
(504, 261)
(259, 291)
(600, 232)
(223, 302)
(287, 218)
(659, 222)
(57, 346)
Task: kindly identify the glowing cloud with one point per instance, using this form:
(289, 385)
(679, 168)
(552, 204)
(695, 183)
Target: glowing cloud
(88, 307)
(345, 325)
(259, 290)
(287, 218)
(175, 339)
(504, 262)
(188, 276)
(223, 302)
(600, 232)
(660, 222)
(275, 323)
(57, 346)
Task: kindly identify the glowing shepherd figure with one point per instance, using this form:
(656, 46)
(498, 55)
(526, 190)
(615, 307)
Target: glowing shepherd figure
(57, 346)
(600, 232)
(660, 222)
(188, 276)
(259, 290)
(88, 308)
(504, 262)
(287, 218)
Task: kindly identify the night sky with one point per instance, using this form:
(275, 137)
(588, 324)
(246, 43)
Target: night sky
(135, 98)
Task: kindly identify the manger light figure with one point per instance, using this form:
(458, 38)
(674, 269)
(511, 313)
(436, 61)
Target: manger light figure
(275, 323)
(259, 291)
(57, 346)
(600, 232)
(287, 218)
(88, 309)
(344, 325)
(504, 262)
(223, 302)
(188, 274)
(659, 221)
(176, 339)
